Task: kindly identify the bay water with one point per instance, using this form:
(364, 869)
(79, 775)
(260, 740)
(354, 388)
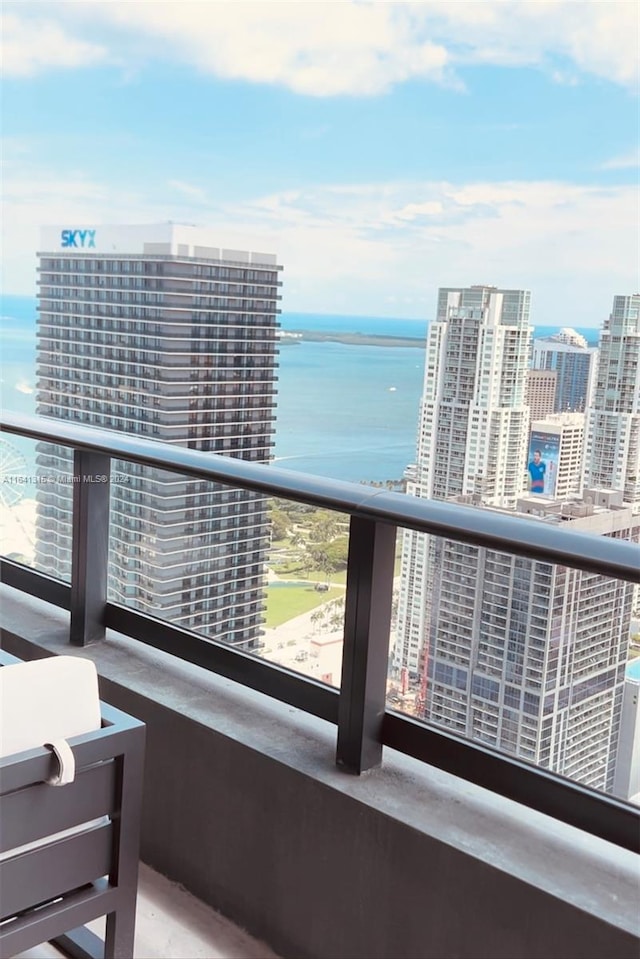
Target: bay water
(344, 411)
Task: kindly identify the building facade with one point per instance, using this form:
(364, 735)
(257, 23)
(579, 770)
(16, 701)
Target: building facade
(473, 432)
(574, 363)
(541, 392)
(613, 432)
(559, 439)
(627, 777)
(530, 657)
(156, 331)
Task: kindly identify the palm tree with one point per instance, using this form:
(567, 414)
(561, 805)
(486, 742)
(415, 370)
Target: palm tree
(298, 541)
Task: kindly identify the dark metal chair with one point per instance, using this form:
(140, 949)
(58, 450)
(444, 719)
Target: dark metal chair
(50, 890)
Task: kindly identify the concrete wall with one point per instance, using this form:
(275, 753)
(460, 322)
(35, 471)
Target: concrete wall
(245, 807)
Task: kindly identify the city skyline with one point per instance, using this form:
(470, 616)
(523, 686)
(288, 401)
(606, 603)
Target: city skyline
(525, 656)
(477, 364)
(432, 141)
(356, 563)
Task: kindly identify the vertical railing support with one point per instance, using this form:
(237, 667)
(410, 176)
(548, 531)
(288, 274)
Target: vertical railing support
(90, 546)
(365, 654)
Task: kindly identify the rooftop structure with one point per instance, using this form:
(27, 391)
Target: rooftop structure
(567, 336)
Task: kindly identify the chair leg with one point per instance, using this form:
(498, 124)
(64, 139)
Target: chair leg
(120, 932)
(80, 943)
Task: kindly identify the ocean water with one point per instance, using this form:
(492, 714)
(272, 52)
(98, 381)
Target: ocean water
(344, 411)
(350, 412)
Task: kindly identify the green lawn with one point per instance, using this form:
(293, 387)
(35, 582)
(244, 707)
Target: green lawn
(285, 602)
(292, 568)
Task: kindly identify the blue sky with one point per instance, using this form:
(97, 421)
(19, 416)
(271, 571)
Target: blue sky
(382, 150)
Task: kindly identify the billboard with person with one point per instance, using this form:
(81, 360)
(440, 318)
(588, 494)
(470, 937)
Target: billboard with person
(542, 464)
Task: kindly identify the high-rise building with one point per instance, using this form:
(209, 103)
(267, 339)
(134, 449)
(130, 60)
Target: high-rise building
(530, 657)
(473, 433)
(568, 356)
(613, 432)
(156, 331)
(557, 441)
(541, 392)
(627, 777)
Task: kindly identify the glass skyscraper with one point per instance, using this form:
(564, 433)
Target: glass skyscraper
(157, 331)
(568, 356)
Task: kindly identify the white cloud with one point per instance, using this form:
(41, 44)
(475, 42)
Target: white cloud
(350, 47)
(187, 189)
(626, 161)
(564, 79)
(573, 246)
(596, 36)
(31, 46)
(314, 48)
(351, 247)
(414, 210)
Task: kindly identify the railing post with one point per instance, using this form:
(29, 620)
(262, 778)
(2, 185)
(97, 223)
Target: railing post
(367, 622)
(90, 546)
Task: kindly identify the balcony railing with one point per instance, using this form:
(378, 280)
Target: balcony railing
(364, 724)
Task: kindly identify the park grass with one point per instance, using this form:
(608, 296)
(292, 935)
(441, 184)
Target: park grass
(296, 571)
(286, 602)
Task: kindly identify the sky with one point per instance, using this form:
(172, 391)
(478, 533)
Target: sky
(382, 150)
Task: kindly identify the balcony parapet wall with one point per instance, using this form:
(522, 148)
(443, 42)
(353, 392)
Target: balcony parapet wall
(245, 807)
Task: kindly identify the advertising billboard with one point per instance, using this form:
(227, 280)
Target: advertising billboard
(542, 462)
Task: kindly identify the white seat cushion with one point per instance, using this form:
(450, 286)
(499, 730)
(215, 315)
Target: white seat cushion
(45, 700)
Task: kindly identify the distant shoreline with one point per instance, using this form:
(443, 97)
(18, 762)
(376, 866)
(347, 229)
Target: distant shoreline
(350, 339)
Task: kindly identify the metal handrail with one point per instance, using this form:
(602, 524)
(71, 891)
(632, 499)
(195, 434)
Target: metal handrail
(364, 724)
(522, 536)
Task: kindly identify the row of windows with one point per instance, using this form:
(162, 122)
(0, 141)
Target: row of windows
(162, 267)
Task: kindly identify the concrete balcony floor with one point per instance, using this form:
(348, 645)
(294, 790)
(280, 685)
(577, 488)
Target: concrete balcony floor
(172, 924)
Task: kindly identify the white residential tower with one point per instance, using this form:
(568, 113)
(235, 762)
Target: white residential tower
(474, 429)
(613, 433)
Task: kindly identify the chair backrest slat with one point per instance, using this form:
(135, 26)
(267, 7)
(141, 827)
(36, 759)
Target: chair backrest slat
(51, 871)
(40, 811)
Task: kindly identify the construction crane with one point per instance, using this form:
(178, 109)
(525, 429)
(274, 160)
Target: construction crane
(421, 695)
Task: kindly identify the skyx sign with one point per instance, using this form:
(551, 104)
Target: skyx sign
(85, 239)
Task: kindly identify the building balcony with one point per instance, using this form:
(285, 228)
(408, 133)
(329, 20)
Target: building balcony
(317, 818)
